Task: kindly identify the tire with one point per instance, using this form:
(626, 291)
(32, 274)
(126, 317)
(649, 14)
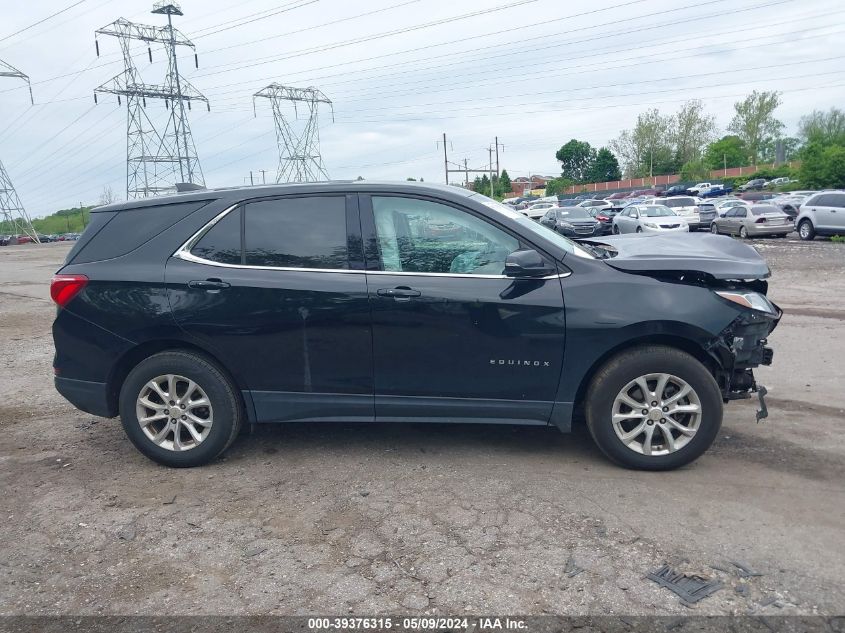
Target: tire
(714, 229)
(639, 229)
(225, 412)
(618, 373)
(615, 230)
(743, 232)
(806, 231)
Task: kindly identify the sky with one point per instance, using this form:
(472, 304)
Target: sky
(400, 73)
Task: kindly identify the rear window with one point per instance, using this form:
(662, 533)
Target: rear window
(308, 232)
(762, 209)
(680, 202)
(222, 242)
(130, 229)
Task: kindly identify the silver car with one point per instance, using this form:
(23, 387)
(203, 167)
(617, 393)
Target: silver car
(648, 218)
(754, 221)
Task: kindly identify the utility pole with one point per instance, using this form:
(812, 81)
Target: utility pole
(498, 145)
(445, 159)
(251, 181)
(11, 208)
(263, 176)
(490, 154)
(466, 174)
(299, 153)
(155, 162)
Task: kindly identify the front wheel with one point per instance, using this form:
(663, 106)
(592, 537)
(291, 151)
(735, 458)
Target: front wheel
(179, 409)
(615, 230)
(743, 232)
(714, 229)
(639, 229)
(653, 408)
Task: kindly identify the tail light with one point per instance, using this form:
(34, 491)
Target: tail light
(760, 221)
(602, 218)
(63, 288)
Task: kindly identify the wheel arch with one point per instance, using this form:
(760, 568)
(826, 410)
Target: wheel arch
(142, 351)
(687, 345)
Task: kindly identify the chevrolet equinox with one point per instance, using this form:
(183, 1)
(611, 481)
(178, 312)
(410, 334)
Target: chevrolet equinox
(191, 315)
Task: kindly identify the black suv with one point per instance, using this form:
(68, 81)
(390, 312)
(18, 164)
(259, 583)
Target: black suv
(193, 314)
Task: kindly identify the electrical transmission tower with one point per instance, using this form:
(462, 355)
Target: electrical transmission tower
(155, 161)
(299, 153)
(15, 217)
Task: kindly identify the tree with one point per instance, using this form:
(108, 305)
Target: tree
(729, 151)
(692, 130)
(485, 185)
(823, 167)
(107, 196)
(604, 168)
(557, 185)
(754, 121)
(646, 150)
(694, 170)
(825, 128)
(505, 181)
(576, 158)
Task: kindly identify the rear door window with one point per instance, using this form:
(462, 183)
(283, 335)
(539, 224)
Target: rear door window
(222, 242)
(305, 232)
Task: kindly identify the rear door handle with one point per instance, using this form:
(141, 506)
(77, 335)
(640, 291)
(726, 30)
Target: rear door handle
(402, 293)
(208, 284)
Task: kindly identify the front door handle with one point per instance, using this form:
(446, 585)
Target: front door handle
(208, 284)
(402, 293)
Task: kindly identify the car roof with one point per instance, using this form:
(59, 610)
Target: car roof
(331, 186)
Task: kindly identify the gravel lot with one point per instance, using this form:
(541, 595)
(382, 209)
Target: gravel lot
(379, 519)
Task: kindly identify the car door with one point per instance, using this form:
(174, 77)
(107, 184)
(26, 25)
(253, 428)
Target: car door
(453, 337)
(275, 289)
(837, 212)
(737, 219)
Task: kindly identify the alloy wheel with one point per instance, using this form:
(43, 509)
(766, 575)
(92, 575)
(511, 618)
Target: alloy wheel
(656, 414)
(174, 412)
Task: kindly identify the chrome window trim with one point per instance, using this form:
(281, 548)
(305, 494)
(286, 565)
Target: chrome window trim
(184, 253)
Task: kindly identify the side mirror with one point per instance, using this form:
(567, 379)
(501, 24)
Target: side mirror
(527, 263)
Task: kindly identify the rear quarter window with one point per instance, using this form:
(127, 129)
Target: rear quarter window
(131, 228)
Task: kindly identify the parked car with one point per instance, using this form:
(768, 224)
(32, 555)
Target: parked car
(754, 184)
(758, 220)
(605, 217)
(191, 315)
(538, 209)
(619, 195)
(5, 239)
(568, 202)
(757, 196)
(674, 190)
(696, 189)
(723, 206)
(776, 182)
(822, 214)
(572, 222)
(707, 213)
(715, 191)
(642, 218)
(595, 204)
(687, 208)
(789, 204)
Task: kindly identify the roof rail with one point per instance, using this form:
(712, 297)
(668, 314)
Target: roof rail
(182, 187)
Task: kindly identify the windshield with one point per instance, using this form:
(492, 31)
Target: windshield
(576, 213)
(536, 229)
(657, 211)
(680, 202)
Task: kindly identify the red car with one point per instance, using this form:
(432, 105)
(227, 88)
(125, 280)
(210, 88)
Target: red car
(617, 196)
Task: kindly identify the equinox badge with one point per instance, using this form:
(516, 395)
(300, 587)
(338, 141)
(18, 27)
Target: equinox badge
(524, 363)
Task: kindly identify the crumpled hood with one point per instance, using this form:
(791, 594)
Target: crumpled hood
(717, 255)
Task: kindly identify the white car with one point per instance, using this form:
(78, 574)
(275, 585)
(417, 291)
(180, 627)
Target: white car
(595, 204)
(648, 218)
(538, 209)
(723, 206)
(686, 207)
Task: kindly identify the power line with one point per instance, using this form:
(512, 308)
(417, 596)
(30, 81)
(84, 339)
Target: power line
(41, 21)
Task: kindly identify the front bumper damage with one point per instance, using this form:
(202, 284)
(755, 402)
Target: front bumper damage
(739, 348)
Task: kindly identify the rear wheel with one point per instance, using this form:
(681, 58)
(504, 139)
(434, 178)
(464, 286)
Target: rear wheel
(653, 408)
(615, 230)
(179, 409)
(806, 231)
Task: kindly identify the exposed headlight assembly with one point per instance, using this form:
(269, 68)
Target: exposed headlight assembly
(747, 299)
(564, 225)
(650, 225)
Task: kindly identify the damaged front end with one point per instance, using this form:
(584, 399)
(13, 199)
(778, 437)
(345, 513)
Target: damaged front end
(732, 270)
(741, 347)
